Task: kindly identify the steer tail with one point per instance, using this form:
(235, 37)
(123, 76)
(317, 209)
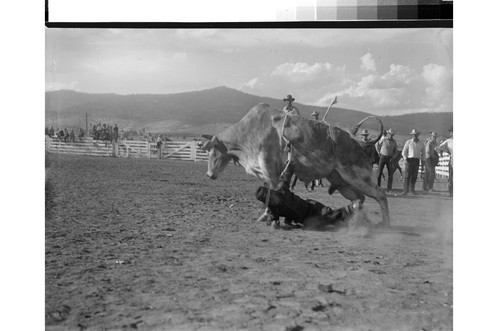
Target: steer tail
(373, 141)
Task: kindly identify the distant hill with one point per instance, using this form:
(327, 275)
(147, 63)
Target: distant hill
(197, 112)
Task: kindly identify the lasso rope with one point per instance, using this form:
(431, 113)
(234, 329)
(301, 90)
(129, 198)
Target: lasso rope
(268, 195)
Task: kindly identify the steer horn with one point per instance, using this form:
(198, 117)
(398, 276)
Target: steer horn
(333, 102)
(370, 142)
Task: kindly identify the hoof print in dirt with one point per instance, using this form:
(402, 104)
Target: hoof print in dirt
(329, 288)
(222, 268)
(319, 307)
(57, 316)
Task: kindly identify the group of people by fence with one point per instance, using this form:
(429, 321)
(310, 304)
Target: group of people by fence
(63, 134)
(104, 132)
(416, 154)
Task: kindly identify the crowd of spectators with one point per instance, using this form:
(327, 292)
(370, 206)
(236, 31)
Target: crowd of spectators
(65, 134)
(104, 132)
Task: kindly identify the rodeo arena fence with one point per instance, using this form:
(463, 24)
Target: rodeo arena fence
(178, 150)
(442, 168)
(187, 150)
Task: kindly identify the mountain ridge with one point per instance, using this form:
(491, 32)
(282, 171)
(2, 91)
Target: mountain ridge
(211, 109)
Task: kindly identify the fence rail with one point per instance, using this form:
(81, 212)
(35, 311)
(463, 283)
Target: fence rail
(177, 150)
(442, 168)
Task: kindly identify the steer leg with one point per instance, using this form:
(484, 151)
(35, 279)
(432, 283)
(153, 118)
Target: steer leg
(360, 179)
(344, 188)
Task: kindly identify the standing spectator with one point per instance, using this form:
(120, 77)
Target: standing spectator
(447, 146)
(72, 136)
(51, 131)
(81, 134)
(115, 133)
(158, 142)
(413, 152)
(98, 131)
(66, 135)
(430, 162)
(364, 134)
(388, 151)
(60, 135)
(370, 150)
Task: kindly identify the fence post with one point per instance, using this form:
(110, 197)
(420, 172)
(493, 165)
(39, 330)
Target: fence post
(159, 151)
(149, 150)
(126, 147)
(193, 151)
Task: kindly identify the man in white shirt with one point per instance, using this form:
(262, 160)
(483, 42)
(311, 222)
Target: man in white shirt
(447, 146)
(413, 152)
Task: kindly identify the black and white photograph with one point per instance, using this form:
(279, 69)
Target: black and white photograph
(249, 179)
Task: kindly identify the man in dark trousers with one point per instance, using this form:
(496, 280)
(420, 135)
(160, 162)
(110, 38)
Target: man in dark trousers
(387, 148)
(413, 152)
(430, 162)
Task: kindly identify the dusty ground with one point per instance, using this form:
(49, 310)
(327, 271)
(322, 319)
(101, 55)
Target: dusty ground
(156, 245)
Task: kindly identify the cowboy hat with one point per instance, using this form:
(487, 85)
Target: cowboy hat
(288, 97)
(414, 132)
(432, 133)
(314, 113)
(364, 132)
(390, 131)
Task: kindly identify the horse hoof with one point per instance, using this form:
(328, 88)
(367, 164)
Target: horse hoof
(275, 224)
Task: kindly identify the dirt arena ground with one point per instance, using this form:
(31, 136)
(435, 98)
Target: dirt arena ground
(156, 245)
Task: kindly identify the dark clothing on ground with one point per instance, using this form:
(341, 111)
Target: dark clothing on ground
(385, 161)
(411, 174)
(294, 208)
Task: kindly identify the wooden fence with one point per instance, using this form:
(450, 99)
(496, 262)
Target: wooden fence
(442, 167)
(178, 150)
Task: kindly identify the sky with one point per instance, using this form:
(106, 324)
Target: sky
(380, 71)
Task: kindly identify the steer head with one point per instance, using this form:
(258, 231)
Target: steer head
(218, 158)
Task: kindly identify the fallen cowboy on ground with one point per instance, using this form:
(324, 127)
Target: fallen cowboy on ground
(283, 203)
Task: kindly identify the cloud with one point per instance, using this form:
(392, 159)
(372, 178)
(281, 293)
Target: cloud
(55, 86)
(399, 90)
(251, 83)
(439, 81)
(301, 71)
(367, 62)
